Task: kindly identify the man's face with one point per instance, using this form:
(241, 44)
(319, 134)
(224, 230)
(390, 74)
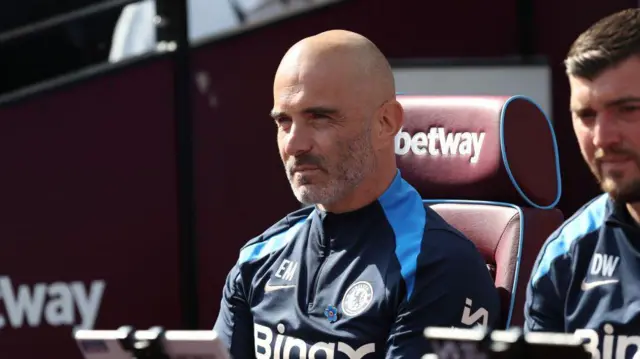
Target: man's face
(324, 134)
(606, 120)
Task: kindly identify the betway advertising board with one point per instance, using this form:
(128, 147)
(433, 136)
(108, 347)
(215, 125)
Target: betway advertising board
(88, 235)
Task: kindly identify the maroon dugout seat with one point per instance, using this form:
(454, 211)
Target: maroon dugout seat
(490, 167)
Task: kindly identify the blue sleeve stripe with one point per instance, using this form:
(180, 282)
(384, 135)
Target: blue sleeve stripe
(406, 214)
(587, 221)
(261, 249)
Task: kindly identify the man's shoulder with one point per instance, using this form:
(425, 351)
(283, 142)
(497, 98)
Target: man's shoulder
(583, 224)
(274, 237)
(443, 237)
(577, 231)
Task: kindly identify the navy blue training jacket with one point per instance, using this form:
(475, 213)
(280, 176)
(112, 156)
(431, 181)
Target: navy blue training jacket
(587, 280)
(363, 284)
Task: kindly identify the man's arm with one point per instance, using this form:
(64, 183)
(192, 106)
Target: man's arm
(544, 307)
(454, 289)
(235, 322)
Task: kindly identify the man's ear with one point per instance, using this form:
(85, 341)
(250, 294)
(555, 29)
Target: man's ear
(391, 120)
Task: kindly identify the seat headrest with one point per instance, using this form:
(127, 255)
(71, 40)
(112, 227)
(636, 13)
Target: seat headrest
(490, 148)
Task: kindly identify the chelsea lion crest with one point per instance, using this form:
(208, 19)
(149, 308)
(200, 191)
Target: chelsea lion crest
(357, 299)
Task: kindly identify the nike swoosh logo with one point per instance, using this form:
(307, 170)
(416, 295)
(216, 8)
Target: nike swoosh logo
(270, 288)
(591, 285)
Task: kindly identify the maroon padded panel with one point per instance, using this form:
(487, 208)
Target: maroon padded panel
(538, 224)
(450, 148)
(495, 230)
(530, 151)
(88, 200)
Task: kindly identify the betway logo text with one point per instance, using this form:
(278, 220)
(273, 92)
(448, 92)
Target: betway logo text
(437, 142)
(56, 303)
(612, 346)
(285, 345)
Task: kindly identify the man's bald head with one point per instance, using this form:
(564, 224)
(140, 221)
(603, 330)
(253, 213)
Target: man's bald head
(337, 117)
(341, 59)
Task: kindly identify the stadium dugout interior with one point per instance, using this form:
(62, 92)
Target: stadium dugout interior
(489, 165)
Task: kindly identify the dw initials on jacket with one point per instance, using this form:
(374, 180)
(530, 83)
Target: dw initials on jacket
(587, 280)
(362, 284)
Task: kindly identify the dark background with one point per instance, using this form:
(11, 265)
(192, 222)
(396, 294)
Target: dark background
(91, 189)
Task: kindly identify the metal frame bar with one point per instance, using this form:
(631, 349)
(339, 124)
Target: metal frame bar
(63, 19)
(172, 28)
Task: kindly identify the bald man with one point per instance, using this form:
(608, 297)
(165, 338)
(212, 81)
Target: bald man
(362, 270)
